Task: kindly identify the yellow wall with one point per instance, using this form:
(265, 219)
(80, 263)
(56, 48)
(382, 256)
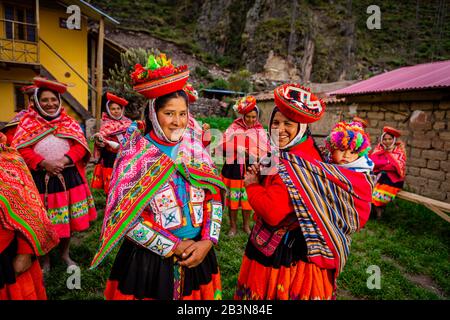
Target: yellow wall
(72, 45)
(8, 78)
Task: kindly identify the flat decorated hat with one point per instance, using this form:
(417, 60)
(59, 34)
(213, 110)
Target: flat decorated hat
(191, 92)
(113, 98)
(245, 105)
(392, 131)
(158, 77)
(41, 83)
(298, 103)
(364, 123)
(28, 90)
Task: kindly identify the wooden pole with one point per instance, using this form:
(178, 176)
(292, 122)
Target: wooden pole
(38, 58)
(93, 92)
(101, 37)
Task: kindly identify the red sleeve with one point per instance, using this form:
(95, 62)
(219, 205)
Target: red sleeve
(76, 152)
(6, 236)
(23, 247)
(9, 133)
(32, 159)
(272, 203)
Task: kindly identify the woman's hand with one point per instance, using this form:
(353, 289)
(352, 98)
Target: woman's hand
(206, 126)
(183, 245)
(99, 141)
(21, 263)
(252, 175)
(53, 167)
(195, 253)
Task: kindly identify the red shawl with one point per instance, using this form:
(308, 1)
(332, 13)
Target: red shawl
(255, 138)
(32, 128)
(392, 162)
(21, 207)
(110, 128)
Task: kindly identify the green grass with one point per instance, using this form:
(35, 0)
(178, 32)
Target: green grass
(410, 242)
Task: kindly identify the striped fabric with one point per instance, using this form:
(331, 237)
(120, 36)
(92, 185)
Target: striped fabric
(331, 203)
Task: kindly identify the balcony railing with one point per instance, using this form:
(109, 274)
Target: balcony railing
(18, 42)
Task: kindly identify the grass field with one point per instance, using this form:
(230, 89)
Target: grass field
(410, 245)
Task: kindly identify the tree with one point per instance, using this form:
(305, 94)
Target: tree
(120, 82)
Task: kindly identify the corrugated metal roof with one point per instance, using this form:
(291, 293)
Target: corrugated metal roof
(421, 76)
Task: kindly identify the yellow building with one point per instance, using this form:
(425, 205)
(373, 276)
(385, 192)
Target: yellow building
(51, 39)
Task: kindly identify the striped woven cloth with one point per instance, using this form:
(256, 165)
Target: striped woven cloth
(331, 203)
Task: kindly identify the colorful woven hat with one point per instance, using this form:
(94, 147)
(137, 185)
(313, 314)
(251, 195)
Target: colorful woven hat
(159, 77)
(113, 98)
(191, 92)
(41, 82)
(392, 131)
(364, 123)
(298, 103)
(245, 105)
(348, 136)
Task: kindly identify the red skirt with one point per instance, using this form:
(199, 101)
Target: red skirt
(103, 171)
(26, 286)
(69, 203)
(285, 275)
(139, 274)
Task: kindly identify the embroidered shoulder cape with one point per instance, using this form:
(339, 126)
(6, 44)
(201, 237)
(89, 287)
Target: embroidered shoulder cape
(141, 168)
(33, 128)
(21, 207)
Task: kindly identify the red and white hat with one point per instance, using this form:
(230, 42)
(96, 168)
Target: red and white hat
(245, 105)
(298, 103)
(392, 131)
(159, 77)
(191, 93)
(116, 99)
(43, 83)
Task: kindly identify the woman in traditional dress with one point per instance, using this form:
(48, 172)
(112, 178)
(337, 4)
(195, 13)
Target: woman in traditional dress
(245, 143)
(114, 125)
(389, 157)
(165, 200)
(305, 209)
(25, 230)
(55, 149)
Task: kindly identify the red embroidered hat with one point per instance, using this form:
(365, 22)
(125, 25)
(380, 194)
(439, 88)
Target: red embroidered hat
(59, 87)
(298, 103)
(392, 131)
(191, 92)
(28, 90)
(364, 123)
(245, 105)
(113, 98)
(159, 77)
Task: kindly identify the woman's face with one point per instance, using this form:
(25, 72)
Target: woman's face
(173, 118)
(115, 110)
(49, 102)
(250, 118)
(287, 129)
(387, 140)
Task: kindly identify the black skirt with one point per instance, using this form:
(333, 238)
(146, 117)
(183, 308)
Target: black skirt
(72, 179)
(144, 274)
(107, 158)
(384, 179)
(7, 274)
(291, 249)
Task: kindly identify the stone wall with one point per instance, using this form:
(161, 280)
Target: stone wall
(208, 107)
(425, 131)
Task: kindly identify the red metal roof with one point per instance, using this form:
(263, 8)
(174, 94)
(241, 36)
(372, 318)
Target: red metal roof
(421, 76)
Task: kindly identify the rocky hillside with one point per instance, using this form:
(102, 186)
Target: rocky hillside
(317, 41)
